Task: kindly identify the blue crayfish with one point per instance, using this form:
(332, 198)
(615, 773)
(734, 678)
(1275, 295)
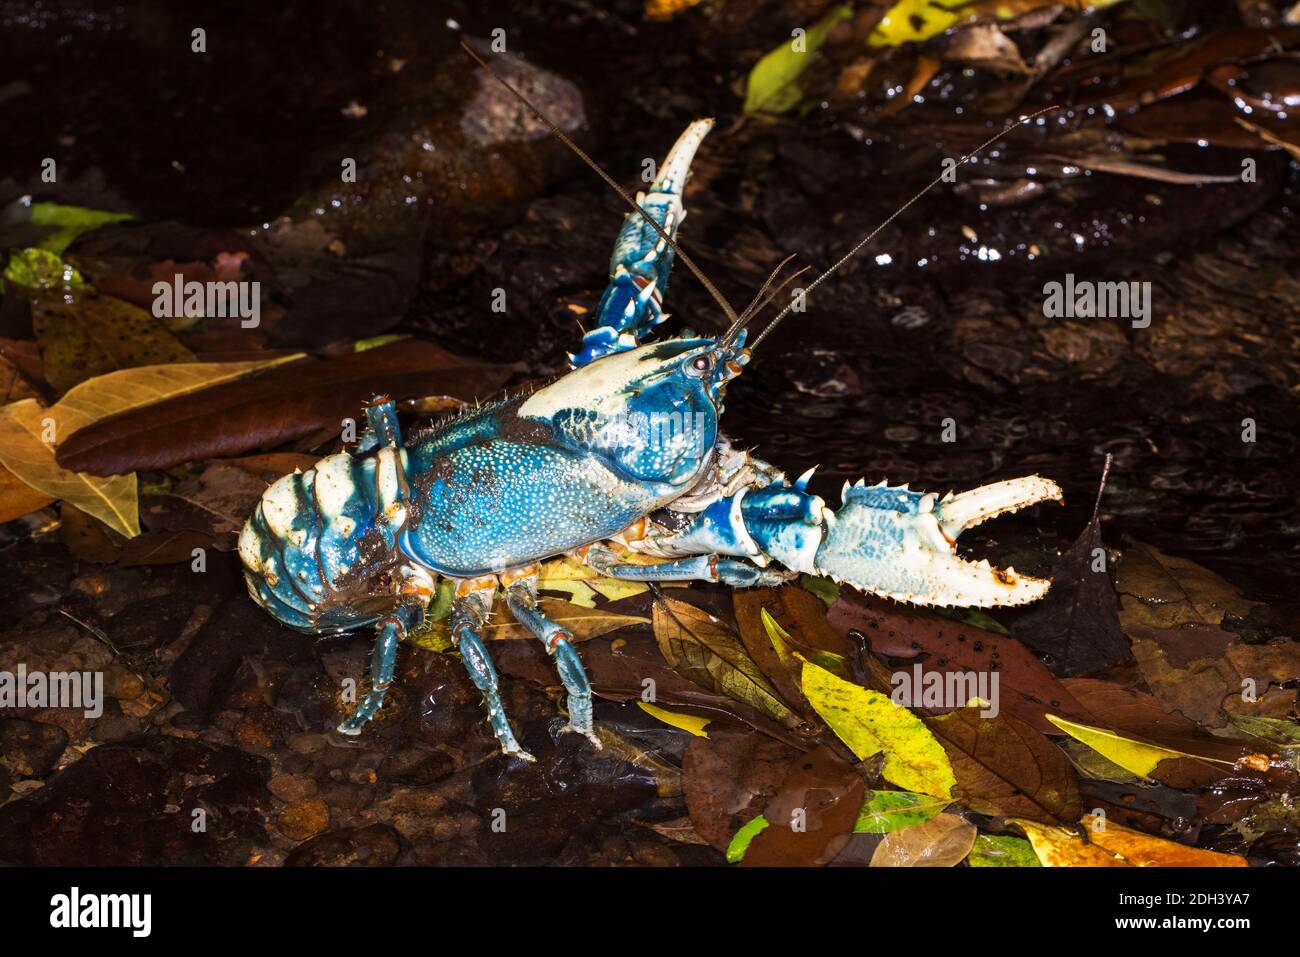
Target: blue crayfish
(623, 453)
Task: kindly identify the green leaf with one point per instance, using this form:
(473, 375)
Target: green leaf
(869, 723)
(741, 841)
(42, 269)
(773, 83)
(997, 850)
(361, 345)
(790, 652)
(1275, 730)
(69, 222)
(825, 589)
(887, 811)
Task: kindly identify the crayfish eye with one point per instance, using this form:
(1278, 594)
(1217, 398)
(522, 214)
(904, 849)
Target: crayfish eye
(701, 364)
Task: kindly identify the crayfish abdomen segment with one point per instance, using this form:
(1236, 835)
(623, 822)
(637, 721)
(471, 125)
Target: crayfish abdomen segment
(319, 551)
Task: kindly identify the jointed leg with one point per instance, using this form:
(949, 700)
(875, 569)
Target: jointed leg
(708, 568)
(382, 428)
(522, 598)
(383, 660)
(469, 613)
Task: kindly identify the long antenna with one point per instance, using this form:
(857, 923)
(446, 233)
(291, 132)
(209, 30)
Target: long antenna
(754, 306)
(893, 216)
(563, 138)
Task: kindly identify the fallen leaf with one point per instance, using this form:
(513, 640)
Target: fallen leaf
(66, 223)
(1056, 846)
(1000, 850)
(1200, 760)
(729, 777)
(687, 722)
(869, 723)
(886, 811)
(812, 814)
(985, 46)
(278, 405)
(1119, 166)
(942, 842)
(1003, 766)
(85, 335)
(113, 500)
(1163, 591)
(773, 84)
(136, 388)
(17, 498)
(703, 649)
(582, 583)
(86, 538)
(1077, 624)
(1279, 731)
(1174, 612)
(1146, 850)
(581, 622)
(1027, 689)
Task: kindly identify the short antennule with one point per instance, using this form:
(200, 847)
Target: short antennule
(893, 216)
(582, 155)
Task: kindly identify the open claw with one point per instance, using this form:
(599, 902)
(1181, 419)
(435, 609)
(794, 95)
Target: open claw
(901, 544)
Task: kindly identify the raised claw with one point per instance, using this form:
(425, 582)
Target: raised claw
(632, 304)
(901, 544)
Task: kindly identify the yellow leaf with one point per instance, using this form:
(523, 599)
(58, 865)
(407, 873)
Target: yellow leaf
(1136, 757)
(911, 21)
(112, 499)
(582, 583)
(23, 428)
(1105, 844)
(580, 621)
(1147, 850)
(1062, 847)
(127, 389)
(687, 722)
(17, 498)
(868, 722)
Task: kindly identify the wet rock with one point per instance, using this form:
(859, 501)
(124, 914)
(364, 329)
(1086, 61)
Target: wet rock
(416, 765)
(495, 116)
(303, 819)
(304, 743)
(135, 802)
(30, 749)
(342, 796)
(414, 813)
(122, 683)
(292, 787)
(375, 845)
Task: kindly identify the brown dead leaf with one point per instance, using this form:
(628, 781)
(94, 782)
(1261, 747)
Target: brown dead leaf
(812, 815)
(1005, 767)
(1028, 690)
(289, 401)
(700, 647)
(942, 841)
